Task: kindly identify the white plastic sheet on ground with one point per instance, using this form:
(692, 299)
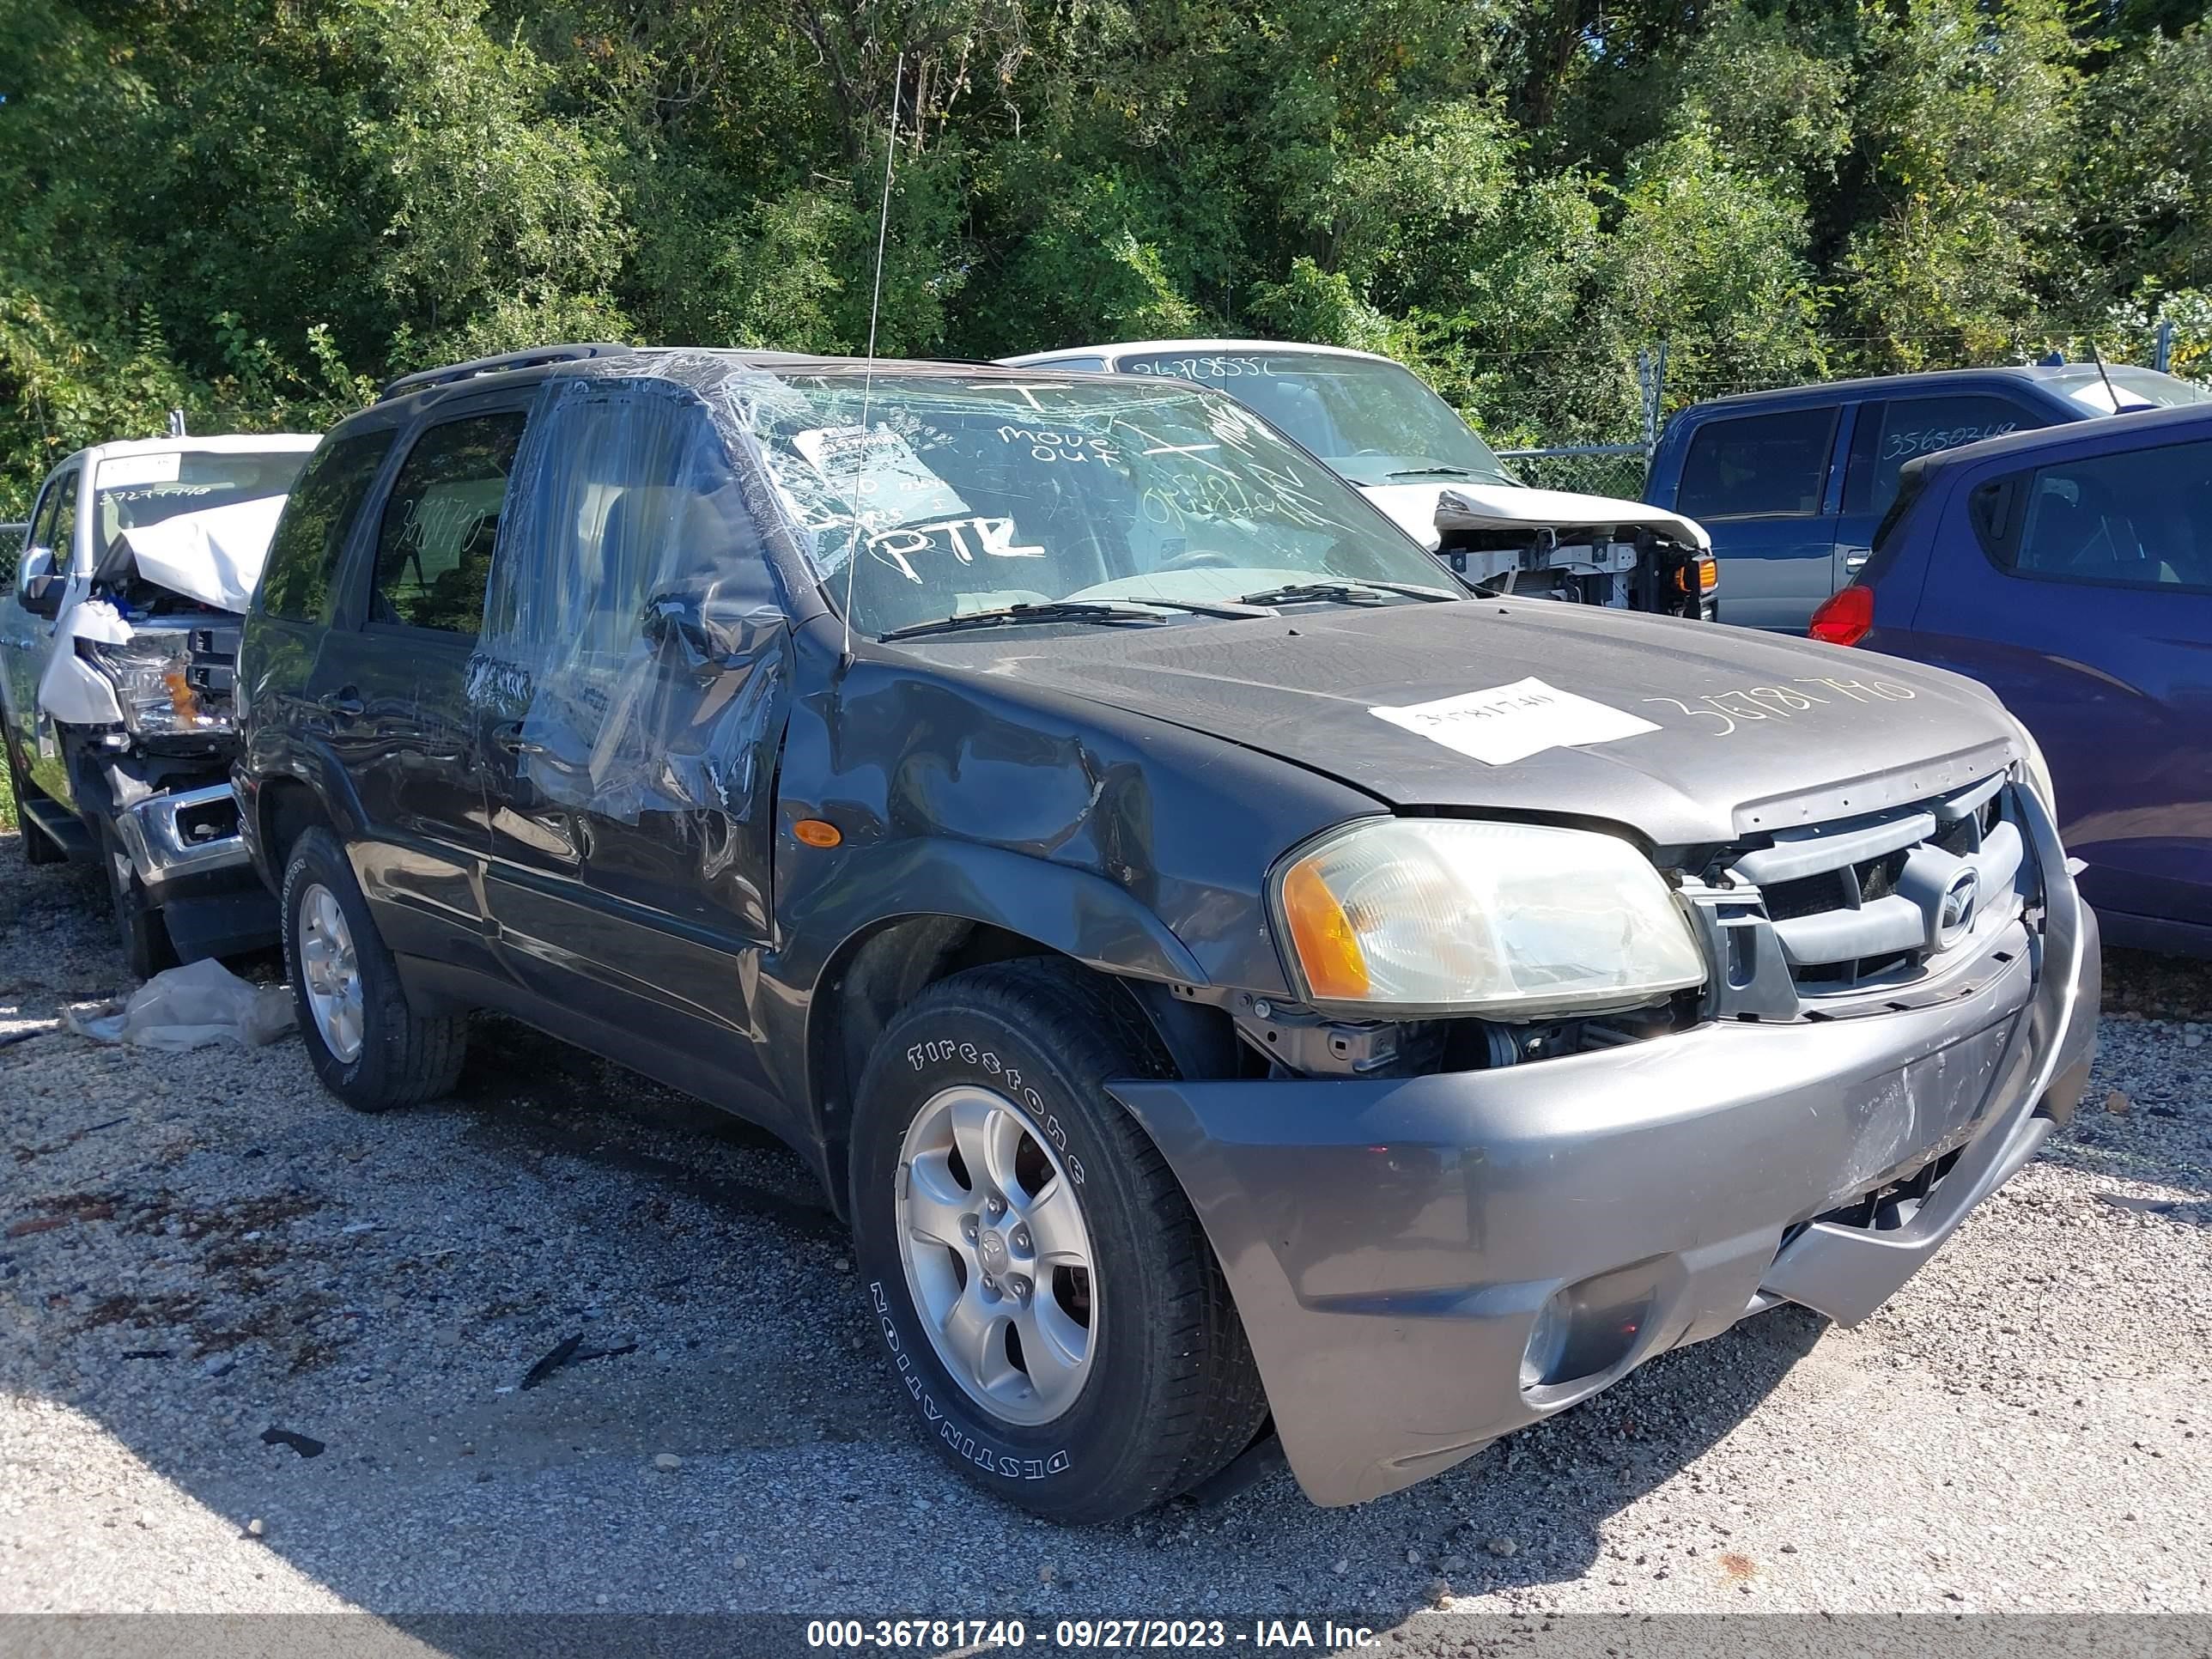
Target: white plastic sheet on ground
(190, 1007)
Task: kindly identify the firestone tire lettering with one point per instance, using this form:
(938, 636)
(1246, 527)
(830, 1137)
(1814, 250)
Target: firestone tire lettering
(969, 1446)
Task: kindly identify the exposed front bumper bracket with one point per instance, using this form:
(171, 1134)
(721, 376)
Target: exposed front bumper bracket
(167, 834)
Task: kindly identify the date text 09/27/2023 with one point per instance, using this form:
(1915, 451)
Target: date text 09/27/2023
(996, 1635)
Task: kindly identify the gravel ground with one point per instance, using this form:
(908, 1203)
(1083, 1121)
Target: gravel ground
(200, 1248)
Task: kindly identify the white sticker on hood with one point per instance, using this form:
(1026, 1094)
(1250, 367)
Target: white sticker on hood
(1507, 723)
(122, 471)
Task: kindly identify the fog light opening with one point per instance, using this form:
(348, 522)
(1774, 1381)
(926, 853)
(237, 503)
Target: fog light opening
(1548, 1343)
(1586, 1330)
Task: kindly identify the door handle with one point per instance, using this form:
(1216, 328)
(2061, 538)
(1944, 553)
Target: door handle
(1855, 560)
(346, 704)
(509, 737)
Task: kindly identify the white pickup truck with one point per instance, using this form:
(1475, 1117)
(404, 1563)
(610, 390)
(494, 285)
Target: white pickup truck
(118, 641)
(1377, 424)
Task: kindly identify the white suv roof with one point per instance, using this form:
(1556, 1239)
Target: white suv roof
(1147, 348)
(226, 443)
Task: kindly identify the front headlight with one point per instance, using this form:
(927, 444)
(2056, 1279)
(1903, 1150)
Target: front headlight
(148, 673)
(1448, 916)
(2035, 771)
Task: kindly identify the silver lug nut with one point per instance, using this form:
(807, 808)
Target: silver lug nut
(1021, 1238)
(989, 1283)
(969, 1229)
(1018, 1288)
(996, 1206)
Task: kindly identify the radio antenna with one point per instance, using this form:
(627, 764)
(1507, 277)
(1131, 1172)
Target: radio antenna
(875, 309)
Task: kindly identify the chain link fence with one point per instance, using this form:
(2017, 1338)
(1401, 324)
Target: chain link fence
(1614, 469)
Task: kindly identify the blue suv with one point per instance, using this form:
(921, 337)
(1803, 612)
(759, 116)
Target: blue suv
(1792, 482)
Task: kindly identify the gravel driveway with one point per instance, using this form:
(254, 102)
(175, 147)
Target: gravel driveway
(200, 1249)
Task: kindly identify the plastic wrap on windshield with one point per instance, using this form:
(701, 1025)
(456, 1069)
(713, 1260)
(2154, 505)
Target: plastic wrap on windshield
(635, 646)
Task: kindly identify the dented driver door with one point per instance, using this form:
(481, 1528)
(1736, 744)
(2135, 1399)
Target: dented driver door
(633, 682)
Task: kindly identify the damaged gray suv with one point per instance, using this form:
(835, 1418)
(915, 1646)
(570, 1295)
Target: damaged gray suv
(1243, 988)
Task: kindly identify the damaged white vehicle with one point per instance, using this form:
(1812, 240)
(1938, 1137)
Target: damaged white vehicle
(118, 639)
(1377, 424)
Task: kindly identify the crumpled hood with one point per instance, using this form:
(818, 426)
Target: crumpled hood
(1753, 731)
(214, 555)
(1420, 508)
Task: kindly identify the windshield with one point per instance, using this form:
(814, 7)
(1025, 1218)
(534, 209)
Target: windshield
(1376, 422)
(2138, 388)
(978, 496)
(135, 490)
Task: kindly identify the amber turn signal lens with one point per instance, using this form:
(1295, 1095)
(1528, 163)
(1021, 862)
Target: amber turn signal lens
(818, 832)
(182, 698)
(1321, 934)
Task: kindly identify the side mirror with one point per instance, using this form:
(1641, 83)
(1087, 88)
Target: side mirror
(37, 586)
(704, 624)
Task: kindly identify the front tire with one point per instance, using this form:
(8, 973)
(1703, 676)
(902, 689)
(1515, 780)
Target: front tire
(139, 927)
(367, 1045)
(1052, 1309)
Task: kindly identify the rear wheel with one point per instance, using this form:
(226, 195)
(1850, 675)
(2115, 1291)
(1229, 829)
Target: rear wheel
(138, 924)
(1052, 1307)
(367, 1043)
(38, 846)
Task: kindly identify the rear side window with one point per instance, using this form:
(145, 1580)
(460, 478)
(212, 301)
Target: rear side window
(434, 545)
(1891, 434)
(2140, 518)
(1759, 466)
(295, 583)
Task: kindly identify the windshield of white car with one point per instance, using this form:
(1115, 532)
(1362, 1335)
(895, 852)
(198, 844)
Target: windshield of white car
(2135, 389)
(986, 494)
(136, 490)
(1376, 422)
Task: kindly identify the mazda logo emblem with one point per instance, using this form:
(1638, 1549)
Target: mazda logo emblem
(1955, 917)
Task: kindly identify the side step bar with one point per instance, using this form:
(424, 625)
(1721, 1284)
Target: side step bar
(60, 826)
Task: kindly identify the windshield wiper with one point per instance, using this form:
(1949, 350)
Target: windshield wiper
(1440, 472)
(1350, 593)
(1072, 610)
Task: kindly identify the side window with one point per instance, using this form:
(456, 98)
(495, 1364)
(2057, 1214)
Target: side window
(434, 546)
(62, 537)
(628, 495)
(295, 583)
(1759, 466)
(1891, 434)
(41, 531)
(2139, 519)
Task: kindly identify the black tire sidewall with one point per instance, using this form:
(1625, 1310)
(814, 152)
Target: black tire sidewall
(139, 927)
(318, 861)
(1070, 1466)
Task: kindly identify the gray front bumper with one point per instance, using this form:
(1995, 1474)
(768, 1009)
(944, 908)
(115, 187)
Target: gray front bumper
(1391, 1243)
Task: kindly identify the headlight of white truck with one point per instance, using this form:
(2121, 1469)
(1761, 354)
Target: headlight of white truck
(148, 672)
(1449, 916)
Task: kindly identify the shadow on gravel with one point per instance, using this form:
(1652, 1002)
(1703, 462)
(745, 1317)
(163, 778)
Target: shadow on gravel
(570, 1341)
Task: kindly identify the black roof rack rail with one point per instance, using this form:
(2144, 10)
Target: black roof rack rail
(535, 357)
